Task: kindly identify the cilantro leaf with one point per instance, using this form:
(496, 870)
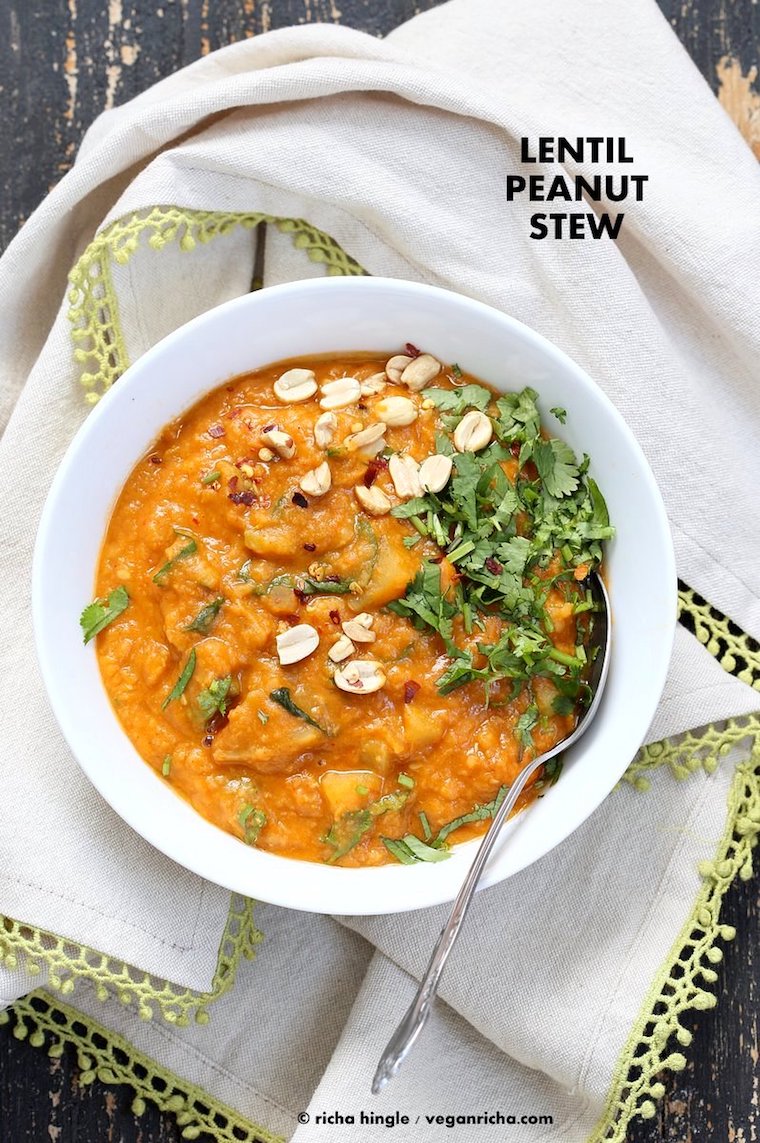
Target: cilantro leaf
(560, 414)
(525, 724)
(600, 517)
(464, 484)
(514, 553)
(414, 507)
(479, 813)
(409, 850)
(556, 466)
(461, 399)
(283, 698)
(206, 616)
(163, 572)
(98, 614)
(310, 586)
(553, 769)
(179, 687)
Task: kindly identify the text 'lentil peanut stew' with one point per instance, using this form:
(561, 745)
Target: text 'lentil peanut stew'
(342, 601)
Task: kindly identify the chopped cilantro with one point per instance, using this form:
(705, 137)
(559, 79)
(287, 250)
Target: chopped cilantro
(162, 574)
(461, 399)
(525, 724)
(563, 704)
(252, 822)
(98, 614)
(206, 616)
(559, 413)
(503, 532)
(179, 687)
(409, 850)
(405, 780)
(479, 813)
(552, 770)
(310, 586)
(263, 717)
(283, 697)
(214, 698)
(211, 477)
(166, 765)
(350, 828)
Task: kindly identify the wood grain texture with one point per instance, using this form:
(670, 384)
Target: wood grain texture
(61, 63)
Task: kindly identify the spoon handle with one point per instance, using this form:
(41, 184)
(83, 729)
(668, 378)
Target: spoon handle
(413, 1022)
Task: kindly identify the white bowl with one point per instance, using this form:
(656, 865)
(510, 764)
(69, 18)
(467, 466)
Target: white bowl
(317, 317)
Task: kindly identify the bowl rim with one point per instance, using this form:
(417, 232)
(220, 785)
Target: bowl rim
(352, 894)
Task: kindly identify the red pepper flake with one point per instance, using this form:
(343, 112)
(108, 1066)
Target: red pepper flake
(268, 428)
(494, 566)
(300, 595)
(232, 483)
(374, 468)
(248, 498)
(216, 431)
(410, 690)
(155, 459)
(361, 405)
(195, 520)
(437, 559)
(335, 616)
(310, 547)
(300, 500)
(234, 413)
(412, 350)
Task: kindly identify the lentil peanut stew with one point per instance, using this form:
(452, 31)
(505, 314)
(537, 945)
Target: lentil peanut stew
(342, 601)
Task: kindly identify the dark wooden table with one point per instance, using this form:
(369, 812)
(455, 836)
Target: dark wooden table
(62, 62)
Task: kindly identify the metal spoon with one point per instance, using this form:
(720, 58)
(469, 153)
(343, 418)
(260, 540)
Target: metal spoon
(413, 1022)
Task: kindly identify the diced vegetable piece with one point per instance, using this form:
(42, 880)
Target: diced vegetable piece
(394, 568)
(340, 789)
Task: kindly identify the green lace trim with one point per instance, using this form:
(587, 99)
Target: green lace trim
(697, 750)
(23, 946)
(654, 1038)
(737, 652)
(102, 1054)
(93, 307)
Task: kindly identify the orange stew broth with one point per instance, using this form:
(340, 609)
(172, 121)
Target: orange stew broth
(458, 749)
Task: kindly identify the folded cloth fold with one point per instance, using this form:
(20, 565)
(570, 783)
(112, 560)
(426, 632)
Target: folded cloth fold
(392, 157)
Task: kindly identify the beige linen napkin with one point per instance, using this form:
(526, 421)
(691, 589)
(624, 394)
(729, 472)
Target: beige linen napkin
(399, 150)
